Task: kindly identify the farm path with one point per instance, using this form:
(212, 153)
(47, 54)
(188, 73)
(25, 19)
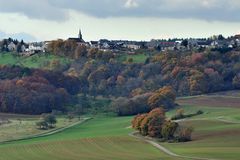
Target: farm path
(167, 151)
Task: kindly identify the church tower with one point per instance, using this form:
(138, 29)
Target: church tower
(80, 35)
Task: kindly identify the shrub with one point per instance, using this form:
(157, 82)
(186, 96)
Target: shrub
(47, 121)
(179, 114)
(50, 120)
(184, 134)
(199, 112)
(131, 106)
(42, 125)
(182, 116)
(168, 130)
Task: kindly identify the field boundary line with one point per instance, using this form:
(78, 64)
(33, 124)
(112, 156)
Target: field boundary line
(220, 119)
(58, 130)
(207, 95)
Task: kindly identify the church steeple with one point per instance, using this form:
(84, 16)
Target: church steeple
(80, 34)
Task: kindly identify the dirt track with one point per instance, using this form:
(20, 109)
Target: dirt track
(165, 150)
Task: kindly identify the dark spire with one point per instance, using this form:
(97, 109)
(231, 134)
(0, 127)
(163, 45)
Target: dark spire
(80, 34)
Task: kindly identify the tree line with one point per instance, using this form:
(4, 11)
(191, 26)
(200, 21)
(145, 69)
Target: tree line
(164, 97)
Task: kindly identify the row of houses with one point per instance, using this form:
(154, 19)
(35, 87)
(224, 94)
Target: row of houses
(223, 43)
(117, 44)
(176, 44)
(26, 48)
(106, 44)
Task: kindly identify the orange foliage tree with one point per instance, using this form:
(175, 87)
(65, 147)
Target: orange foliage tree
(164, 97)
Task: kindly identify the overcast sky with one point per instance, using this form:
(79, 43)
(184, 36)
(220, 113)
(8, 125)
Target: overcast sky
(118, 19)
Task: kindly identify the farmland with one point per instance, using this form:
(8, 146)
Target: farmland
(21, 126)
(100, 138)
(216, 136)
(211, 139)
(216, 131)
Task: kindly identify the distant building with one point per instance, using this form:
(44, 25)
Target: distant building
(167, 45)
(237, 36)
(23, 48)
(153, 44)
(204, 43)
(192, 43)
(132, 46)
(79, 39)
(220, 44)
(104, 44)
(94, 44)
(237, 42)
(162, 45)
(11, 47)
(33, 48)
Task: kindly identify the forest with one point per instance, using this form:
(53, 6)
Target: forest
(190, 72)
(31, 91)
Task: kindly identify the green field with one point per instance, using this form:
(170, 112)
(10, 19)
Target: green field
(102, 138)
(216, 136)
(34, 61)
(211, 139)
(138, 58)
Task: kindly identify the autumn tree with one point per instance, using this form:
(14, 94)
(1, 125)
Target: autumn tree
(152, 123)
(163, 97)
(155, 124)
(168, 129)
(198, 83)
(136, 122)
(81, 51)
(236, 82)
(184, 134)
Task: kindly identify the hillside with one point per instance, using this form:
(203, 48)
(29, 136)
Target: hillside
(106, 137)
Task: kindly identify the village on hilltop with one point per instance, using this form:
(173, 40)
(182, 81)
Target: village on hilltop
(27, 49)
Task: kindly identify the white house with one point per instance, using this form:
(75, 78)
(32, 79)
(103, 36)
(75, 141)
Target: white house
(132, 46)
(238, 42)
(23, 48)
(11, 47)
(36, 47)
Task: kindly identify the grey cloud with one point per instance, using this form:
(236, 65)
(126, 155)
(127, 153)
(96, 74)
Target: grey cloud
(211, 10)
(36, 9)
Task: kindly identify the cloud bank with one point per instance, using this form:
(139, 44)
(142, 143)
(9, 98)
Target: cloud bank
(58, 10)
